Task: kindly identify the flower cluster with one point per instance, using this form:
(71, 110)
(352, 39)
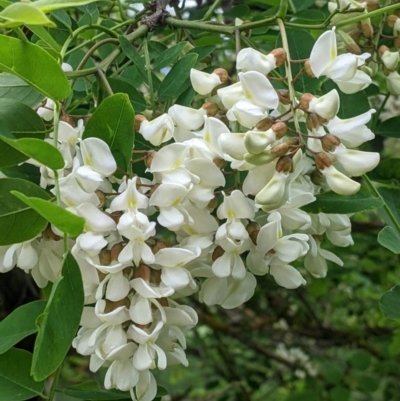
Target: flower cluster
(229, 181)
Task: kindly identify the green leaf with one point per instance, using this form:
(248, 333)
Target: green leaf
(390, 239)
(59, 322)
(173, 82)
(19, 324)
(202, 51)
(300, 45)
(43, 34)
(389, 128)
(91, 390)
(51, 5)
(339, 393)
(113, 122)
(387, 171)
(37, 149)
(15, 381)
(304, 396)
(35, 66)
(390, 303)
(329, 202)
(367, 383)
(64, 220)
(18, 14)
(21, 121)
(130, 51)
(18, 222)
(332, 372)
(360, 360)
(12, 87)
(168, 56)
(238, 11)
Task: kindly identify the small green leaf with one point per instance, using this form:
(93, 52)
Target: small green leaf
(133, 55)
(18, 222)
(19, 324)
(35, 66)
(389, 128)
(339, 393)
(202, 51)
(172, 84)
(390, 303)
(329, 202)
(367, 383)
(360, 360)
(59, 322)
(15, 381)
(12, 87)
(37, 149)
(18, 14)
(390, 239)
(332, 372)
(113, 122)
(51, 5)
(64, 220)
(43, 34)
(91, 390)
(168, 56)
(21, 121)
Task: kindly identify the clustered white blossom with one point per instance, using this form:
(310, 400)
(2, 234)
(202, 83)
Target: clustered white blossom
(223, 237)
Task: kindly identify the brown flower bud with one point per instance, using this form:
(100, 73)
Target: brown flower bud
(312, 121)
(149, 158)
(383, 49)
(372, 5)
(105, 257)
(280, 150)
(264, 124)
(280, 129)
(322, 160)
(159, 245)
(252, 226)
(284, 96)
(307, 69)
(164, 301)
(218, 252)
(367, 30)
(48, 233)
(115, 251)
(253, 236)
(391, 20)
(68, 119)
(305, 101)
(144, 272)
(220, 163)
(284, 164)
(329, 142)
(316, 177)
(353, 48)
(139, 118)
(211, 108)
(115, 216)
(280, 56)
(222, 73)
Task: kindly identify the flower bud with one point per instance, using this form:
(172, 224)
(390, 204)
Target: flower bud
(367, 29)
(139, 118)
(305, 101)
(356, 36)
(217, 253)
(164, 302)
(220, 163)
(213, 203)
(280, 129)
(284, 165)
(284, 96)
(391, 20)
(307, 69)
(222, 74)
(280, 56)
(115, 251)
(390, 59)
(329, 142)
(372, 5)
(105, 257)
(322, 160)
(211, 108)
(252, 226)
(264, 124)
(159, 245)
(396, 42)
(68, 119)
(48, 233)
(143, 271)
(393, 83)
(253, 236)
(312, 121)
(382, 49)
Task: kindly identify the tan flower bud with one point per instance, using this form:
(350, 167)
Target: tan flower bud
(382, 49)
(68, 119)
(48, 233)
(218, 252)
(149, 158)
(280, 150)
(372, 5)
(115, 251)
(280, 129)
(144, 272)
(305, 101)
(252, 226)
(211, 108)
(222, 73)
(367, 30)
(280, 56)
(329, 142)
(105, 257)
(164, 301)
(353, 48)
(220, 163)
(159, 245)
(139, 118)
(284, 96)
(391, 20)
(116, 216)
(264, 124)
(322, 160)
(312, 121)
(307, 69)
(284, 164)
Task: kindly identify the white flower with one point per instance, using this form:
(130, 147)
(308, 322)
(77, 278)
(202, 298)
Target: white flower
(390, 59)
(326, 106)
(130, 199)
(338, 182)
(202, 82)
(186, 117)
(157, 131)
(47, 111)
(252, 60)
(393, 83)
